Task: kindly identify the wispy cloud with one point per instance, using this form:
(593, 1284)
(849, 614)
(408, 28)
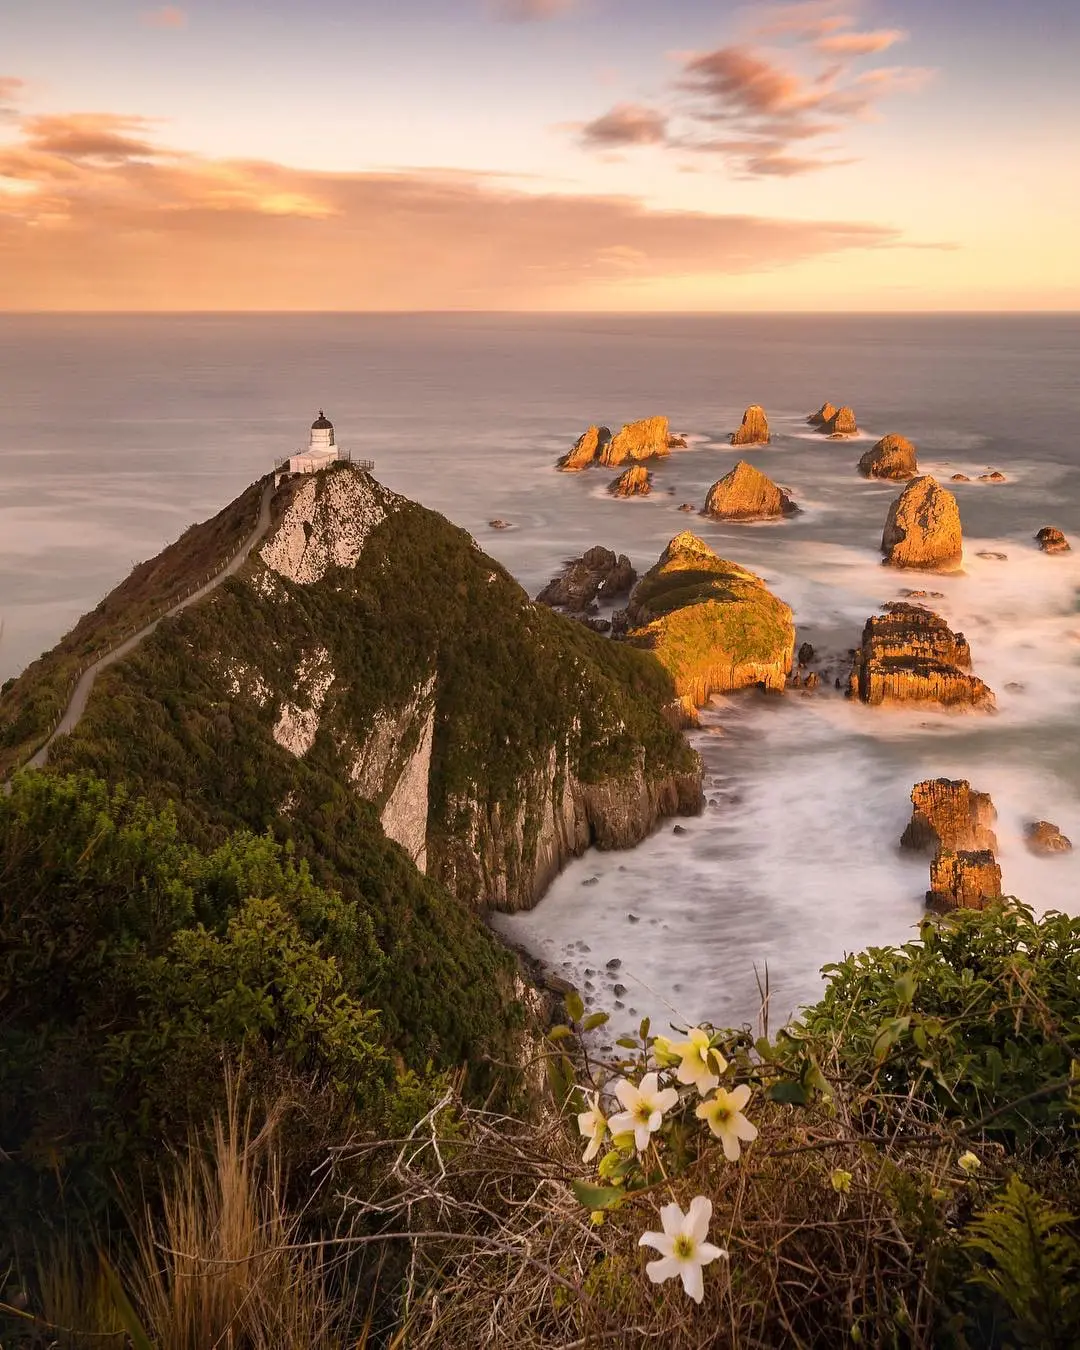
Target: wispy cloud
(529, 11)
(168, 16)
(771, 105)
(103, 218)
(11, 91)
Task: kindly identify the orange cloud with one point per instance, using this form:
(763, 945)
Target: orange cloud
(11, 90)
(626, 124)
(102, 220)
(168, 16)
(860, 44)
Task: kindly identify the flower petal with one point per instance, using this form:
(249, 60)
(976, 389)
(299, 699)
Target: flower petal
(739, 1096)
(627, 1093)
(719, 1061)
(671, 1220)
(665, 1269)
(661, 1241)
(649, 1084)
(623, 1123)
(641, 1137)
(593, 1148)
(745, 1129)
(698, 1217)
(706, 1252)
(706, 1082)
(664, 1101)
(731, 1144)
(692, 1281)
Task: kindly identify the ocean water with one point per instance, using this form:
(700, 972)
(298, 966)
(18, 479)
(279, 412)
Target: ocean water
(116, 433)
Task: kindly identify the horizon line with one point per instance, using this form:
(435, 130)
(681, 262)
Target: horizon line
(531, 313)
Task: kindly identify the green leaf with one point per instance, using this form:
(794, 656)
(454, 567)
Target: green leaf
(129, 1319)
(905, 987)
(643, 1030)
(559, 1033)
(628, 1043)
(574, 1007)
(596, 1197)
(792, 1093)
(594, 1020)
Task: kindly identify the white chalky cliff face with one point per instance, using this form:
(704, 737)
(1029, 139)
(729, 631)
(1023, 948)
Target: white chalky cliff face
(326, 524)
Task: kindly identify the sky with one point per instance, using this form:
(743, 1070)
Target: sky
(620, 155)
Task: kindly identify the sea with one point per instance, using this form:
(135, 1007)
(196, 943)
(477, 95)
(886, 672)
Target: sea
(118, 432)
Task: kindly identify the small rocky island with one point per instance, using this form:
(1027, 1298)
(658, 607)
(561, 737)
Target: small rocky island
(636, 481)
(954, 823)
(714, 626)
(911, 655)
(923, 528)
(891, 457)
(598, 575)
(745, 493)
(754, 429)
(649, 438)
(834, 422)
(1051, 540)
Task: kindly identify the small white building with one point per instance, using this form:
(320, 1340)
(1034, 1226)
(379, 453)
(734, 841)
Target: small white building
(322, 451)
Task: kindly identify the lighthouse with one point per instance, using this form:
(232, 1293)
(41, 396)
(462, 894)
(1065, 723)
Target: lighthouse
(322, 450)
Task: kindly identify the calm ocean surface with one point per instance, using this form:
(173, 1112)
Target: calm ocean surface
(116, 433)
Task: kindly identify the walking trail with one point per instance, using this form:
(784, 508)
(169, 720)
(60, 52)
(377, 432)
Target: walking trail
(81, 693)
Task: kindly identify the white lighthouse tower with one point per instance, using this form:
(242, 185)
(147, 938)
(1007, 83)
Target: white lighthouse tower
(322, 450)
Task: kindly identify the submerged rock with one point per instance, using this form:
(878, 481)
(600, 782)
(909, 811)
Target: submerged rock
(633, 482)
(959, 478)
(585, 450)
(597, 574)
(688, 506)
(994, 476)
(824, 414)
(949, 813)
(1052, 541)
(713, 625)
(499, 524)
(754, 429)
(911, 655)
(892, 457)
(964, 879)
(1042, 837)
(744, 493)
(648, 439)
(923, 528)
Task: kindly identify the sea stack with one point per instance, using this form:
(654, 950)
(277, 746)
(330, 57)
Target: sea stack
(650, 438)
(911, 655)
(949, 813)
(824, 414)
(892, 457)
(633, 482)
(923, 528)
(745, 493)
(754, 429)
(964, 879)
(842, 423)
(1051, 540)
(597, 575)
(585, 450)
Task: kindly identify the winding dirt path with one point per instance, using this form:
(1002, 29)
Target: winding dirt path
(81, 693)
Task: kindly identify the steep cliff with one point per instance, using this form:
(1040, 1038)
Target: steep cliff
(371, 642)
(713, 625)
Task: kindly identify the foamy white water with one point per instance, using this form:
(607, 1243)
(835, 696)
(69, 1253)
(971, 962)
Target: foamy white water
(116, 433)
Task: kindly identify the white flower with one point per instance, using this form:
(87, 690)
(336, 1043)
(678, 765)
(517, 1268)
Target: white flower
(726, 1120)
(701, 1065)
(969, 1162)
(682, 1246)
(592, 1124)
(645, 1107)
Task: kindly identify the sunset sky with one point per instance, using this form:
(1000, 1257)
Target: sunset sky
(539, 155)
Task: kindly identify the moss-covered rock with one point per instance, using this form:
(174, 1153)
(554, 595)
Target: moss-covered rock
(714, 626)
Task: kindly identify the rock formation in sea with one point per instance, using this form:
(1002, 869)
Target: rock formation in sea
(923, 528)
(1051, 540)
(633, 482)
(1044, 838)
(963, 879)
(597, 575)
(842, 423)
(650, 438)
(892, 457)
(911, 655)
(949, 813)
(585, 449)
(713, 625)
(745, 493)
(959, 478)
(754, 429)
(994, 476)
(824, 414)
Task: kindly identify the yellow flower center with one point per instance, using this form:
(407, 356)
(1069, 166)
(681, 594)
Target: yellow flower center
(642, 1112)
(683, 1247)
(721, 1113)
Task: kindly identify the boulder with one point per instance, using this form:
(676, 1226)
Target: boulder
(824, 414)
(597, 574)
(648, 439)
(713, 625)
(688, 506)
(744, 493)
(1042, 837)
(754, 429)
(842, 423)
(1052, 541)
(806, 654)
(994, 476)
(964, 879)
(923, 528)
(911, 655)
(499, 524)
(959, 478)
(585, 450)
(949, 813)
(892, 457)
(633, 482)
